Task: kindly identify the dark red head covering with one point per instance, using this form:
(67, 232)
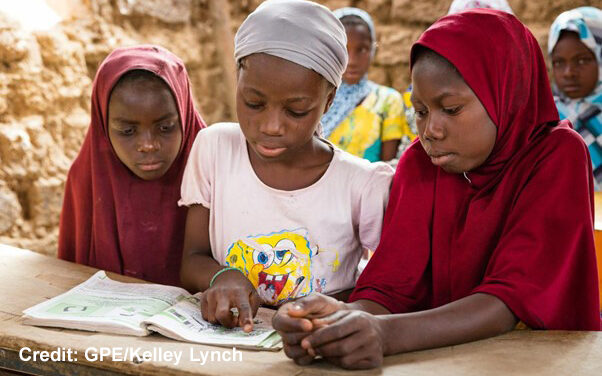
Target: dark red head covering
(501, 61)
(112, 219)
(521, 228)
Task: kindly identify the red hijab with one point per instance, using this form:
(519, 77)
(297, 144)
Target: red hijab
(112, 219)
(520, 226)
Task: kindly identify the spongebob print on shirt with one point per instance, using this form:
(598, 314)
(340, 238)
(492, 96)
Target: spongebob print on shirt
(277, 264)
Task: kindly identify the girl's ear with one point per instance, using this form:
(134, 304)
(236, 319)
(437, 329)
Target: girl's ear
(332, 92)
(239, 65)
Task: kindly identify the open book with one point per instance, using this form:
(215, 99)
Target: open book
(101, 304)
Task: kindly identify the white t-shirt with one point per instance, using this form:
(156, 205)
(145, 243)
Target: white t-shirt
(288, 243)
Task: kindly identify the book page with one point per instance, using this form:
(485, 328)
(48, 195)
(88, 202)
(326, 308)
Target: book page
(104, 305)
(185, 322)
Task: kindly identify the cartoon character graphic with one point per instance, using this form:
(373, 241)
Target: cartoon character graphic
(277, 264)
(320, 284)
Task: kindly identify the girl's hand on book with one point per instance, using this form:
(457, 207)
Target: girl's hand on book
(230, 290)
(294, 321)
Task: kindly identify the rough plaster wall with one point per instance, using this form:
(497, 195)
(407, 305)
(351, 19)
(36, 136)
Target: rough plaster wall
(45, 85)
(46, 77)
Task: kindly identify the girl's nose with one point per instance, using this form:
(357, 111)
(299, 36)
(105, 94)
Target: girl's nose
(271, 124)
(569, 70)
(148, 143)
(433, 129)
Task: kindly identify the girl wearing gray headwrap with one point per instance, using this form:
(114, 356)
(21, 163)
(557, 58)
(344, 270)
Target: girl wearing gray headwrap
(276, 212)
(365, 119)
(303, 32)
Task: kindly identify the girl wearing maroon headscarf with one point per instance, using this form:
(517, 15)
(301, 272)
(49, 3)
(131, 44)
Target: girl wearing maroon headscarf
(489, 220)
(120, 209)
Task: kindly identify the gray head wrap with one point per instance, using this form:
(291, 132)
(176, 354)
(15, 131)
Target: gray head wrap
(364, 16)
(303, 32)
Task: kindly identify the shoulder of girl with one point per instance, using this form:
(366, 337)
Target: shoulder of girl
(562, 146)
(564, 137)
(220, 131)
(383, 171)
(390, 92)
(359, 167)
(222, 128)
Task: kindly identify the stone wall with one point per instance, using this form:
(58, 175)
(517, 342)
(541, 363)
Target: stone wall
(46, 77)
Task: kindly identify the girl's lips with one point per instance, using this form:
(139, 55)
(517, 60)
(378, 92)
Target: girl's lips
(571, 88)
(441, 159)
(352, 74)
(269, 151)
(150, 166)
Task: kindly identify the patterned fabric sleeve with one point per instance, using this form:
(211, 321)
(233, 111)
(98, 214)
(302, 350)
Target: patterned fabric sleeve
(410, 117)
(394, 123)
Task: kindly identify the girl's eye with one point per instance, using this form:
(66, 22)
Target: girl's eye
(127, 131)
(420, 113)
(297, 114)
(166, 128)
(254, 106)
(557, 64)
(452, 110)
(583, 61)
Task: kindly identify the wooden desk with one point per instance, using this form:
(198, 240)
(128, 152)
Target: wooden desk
(28, 278)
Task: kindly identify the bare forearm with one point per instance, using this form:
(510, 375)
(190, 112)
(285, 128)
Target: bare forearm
(472, 318)
(342, 295)
(196, 272)
(389, 150)
(367, 306)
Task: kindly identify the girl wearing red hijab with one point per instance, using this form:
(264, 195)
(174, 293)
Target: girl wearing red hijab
(120, 208)
(489, 220)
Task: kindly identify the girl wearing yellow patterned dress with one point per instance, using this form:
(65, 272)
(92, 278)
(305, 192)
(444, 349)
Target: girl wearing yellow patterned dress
(365, 119)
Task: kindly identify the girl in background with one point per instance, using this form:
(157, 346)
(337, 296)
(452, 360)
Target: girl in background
(575, 48)
(365, 119)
